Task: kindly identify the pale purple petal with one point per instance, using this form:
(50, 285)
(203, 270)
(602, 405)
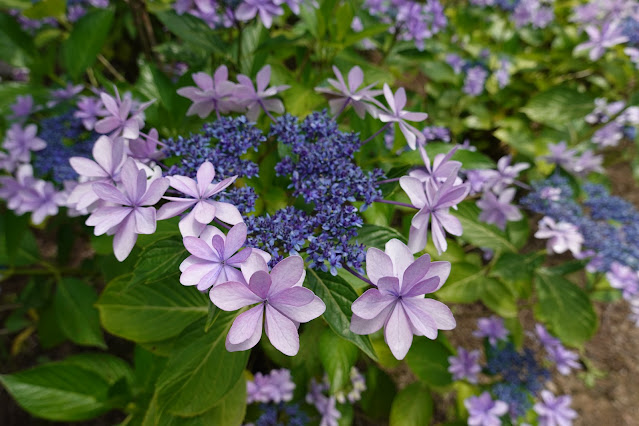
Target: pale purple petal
(282, 332)
(231, 296)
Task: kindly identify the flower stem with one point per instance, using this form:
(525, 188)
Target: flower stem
(384, 127)
(381, 182)
(152, 139)
(342, 109)
(268, 114)
(397, 203)
(219, 222)
(358, 275)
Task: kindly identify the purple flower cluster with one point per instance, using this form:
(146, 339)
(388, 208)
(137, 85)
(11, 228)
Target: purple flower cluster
(536, 13)
(410, 20)
(225, 13)
(221, 95)
(609, 225)
(619, 122)
(325, 405)
(517, 378)
(434, 191)
(477, 72)
(275, 386)
(497, 194)
(571, 161)
(355, 389)
(607, 24)
(75, 10)
(223, 143)
(66, 137)
(324, 174)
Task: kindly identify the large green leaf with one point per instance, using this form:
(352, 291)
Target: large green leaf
(377, 236)
(338, 296)
(428, 359)
(413, 406)
(462, 285)
(231, 409)
(558, 106)
(150, 313)
(565, 308)
(77, 317)
(59, 391)
(498, 297)
(20, 39)
(89, 33)
(194, 31)
(337, 356)
(200, 372)
(159, 261)
(110, 368)
(380, 391)
(478, 233)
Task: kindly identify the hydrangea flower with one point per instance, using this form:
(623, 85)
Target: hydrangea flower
(282, 303)
(89, 109)
(108, 159)
(120, 120)
(601, 39)
(350, 94)
(623, 278)
(465, 365)
(493, 328)
(433, 204)
(257, 99)
(475, 79)
(145, 148)
(325, 405)
(396, 114)
(505, 175)
(398, 303)
(554, 411)
(22, 107)
(276, 386)
(564, 360)
(12, 189)
(267, 9)
(20, 141)
(442, 167)
(41, 199)
(562, 236)
(215, 257)
(483, 411)
(497, 210)
(199, 193)
(211, 94)
(132, 213)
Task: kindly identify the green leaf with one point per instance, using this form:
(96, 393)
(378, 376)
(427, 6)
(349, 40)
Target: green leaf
(46, 9)
(428, 359)
(77, 318)
(473, 159)
(58, 391)
(231, 409)
(377, 236)
(478, 233)
(159, 261)
(89, 33)
(338, 296)
(378, 396)
(150, 313)
(413, 406)
(110, 368)
(558, 106)
(518, 232)
(19, 38)
(462, 284)
(199, 360)
(498, 297)
(194, 31)
(565, 308)
(337, 356)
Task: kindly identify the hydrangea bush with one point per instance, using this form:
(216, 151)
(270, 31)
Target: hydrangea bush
(268, 212)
